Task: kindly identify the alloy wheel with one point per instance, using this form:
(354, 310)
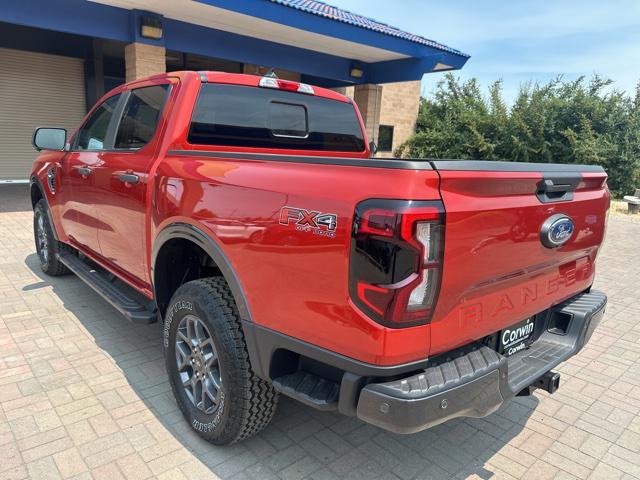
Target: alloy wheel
(43, 244)
(198, 364)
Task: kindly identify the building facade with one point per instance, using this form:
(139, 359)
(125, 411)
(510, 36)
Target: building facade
(58, 57)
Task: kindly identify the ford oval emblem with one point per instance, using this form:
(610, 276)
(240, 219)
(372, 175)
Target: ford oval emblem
(556, 231)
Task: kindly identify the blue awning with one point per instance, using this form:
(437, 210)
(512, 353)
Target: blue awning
(322, 42)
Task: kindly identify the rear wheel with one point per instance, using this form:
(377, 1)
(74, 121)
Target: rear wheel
(47, 246)
(208, 365)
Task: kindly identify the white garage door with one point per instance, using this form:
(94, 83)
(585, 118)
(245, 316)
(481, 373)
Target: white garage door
(36, 90)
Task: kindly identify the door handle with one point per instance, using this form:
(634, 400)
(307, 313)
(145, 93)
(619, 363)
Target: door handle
(128, 178)
(84, 171)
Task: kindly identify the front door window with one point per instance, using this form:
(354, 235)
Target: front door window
(93, 134)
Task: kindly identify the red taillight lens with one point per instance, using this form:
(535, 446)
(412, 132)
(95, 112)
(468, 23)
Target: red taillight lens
(287, 85)
(396, 260)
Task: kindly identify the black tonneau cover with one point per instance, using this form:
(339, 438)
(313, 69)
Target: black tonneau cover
(401, 163)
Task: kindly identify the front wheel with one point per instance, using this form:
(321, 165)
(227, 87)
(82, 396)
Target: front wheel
(47, 246)
(208, 365)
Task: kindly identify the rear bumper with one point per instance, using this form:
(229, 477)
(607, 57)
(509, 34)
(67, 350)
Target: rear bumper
(478, 383)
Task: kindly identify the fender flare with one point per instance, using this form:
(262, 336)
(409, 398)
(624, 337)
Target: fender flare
(35, 181)
(194, 234)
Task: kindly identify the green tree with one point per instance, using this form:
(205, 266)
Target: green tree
(581, 121)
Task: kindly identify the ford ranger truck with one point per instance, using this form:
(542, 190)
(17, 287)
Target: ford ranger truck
(247, 215)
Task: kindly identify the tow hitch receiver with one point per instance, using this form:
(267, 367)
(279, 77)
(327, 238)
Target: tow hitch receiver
(549, 382)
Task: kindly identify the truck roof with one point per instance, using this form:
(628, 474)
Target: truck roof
(238, 79)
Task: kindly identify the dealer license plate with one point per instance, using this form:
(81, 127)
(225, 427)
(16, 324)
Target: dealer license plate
(516, 338)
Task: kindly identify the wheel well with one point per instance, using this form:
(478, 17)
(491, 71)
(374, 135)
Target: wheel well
(179, 261)
(36, 194)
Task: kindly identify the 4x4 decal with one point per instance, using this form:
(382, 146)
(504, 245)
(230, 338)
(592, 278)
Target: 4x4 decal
(310, 221)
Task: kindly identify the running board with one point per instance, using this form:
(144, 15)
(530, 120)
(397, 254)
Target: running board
(121, 297)
(309, 389)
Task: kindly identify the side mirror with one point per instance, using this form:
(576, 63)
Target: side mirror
(49, 138)
(373, 148)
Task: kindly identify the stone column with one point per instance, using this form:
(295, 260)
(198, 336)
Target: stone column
(142, 60)
(399, 108)
(251, 69)
(368, 97)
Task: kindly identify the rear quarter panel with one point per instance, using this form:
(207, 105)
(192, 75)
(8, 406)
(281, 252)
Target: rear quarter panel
(295, 282)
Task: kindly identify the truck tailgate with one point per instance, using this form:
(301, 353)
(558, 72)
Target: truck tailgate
(497, 271)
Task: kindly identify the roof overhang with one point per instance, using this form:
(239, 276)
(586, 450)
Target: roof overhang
(249, 31)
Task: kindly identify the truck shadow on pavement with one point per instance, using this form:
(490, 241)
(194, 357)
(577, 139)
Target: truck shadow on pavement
(300, 442)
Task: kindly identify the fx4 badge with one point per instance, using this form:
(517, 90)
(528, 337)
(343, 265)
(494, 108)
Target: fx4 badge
(310, 221)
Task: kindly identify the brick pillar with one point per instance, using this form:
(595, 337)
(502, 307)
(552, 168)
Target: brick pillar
(346, 91)
(142, 60)
(399, 108)
(368, 98)
(251, 69)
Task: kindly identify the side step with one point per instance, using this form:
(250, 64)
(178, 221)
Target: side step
(123, 298)
(309, 389)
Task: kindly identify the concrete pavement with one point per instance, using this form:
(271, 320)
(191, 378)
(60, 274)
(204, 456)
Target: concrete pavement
(83, 394)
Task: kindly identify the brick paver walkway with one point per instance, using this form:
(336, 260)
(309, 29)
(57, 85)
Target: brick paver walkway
(83, 394)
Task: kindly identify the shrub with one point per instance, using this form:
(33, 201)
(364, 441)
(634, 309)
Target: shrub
(579, 121)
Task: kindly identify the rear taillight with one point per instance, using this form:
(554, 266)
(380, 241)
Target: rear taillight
(396, 260)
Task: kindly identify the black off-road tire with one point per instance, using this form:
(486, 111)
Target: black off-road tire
(247, 403)
(47, 247)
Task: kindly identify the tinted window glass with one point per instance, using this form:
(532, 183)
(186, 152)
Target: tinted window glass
(140, 117)
(286, 119)
(93, 133)
(261, 117)
(385, 138)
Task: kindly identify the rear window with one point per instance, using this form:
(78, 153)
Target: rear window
(141, 115)
(234, 115)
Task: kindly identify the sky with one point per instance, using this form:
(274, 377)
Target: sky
(522, 40)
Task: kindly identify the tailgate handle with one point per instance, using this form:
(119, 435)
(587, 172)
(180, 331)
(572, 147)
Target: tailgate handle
(558, 189)
(550, 187)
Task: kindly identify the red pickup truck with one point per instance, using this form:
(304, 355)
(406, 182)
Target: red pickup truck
(247, 214)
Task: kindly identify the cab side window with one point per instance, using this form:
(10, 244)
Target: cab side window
(93, 133)
(140, 117)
